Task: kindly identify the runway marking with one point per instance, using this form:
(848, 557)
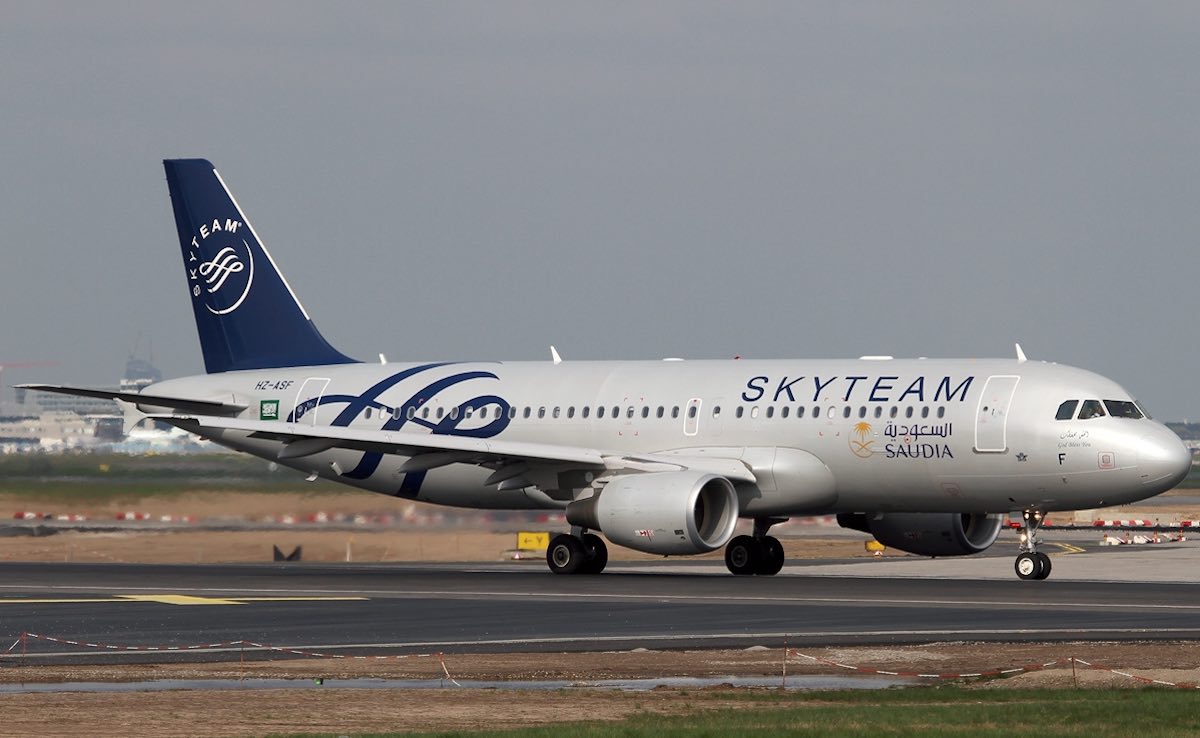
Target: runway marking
(174, 599)
(1069, 549)
(318, 595)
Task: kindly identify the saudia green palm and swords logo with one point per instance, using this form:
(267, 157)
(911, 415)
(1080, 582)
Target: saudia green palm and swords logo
(268, 410)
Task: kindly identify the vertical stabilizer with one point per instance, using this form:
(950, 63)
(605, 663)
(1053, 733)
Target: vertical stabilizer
(246, 313)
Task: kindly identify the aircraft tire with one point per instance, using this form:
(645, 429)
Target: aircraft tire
(597, 554)
(773, 557)
(566, 554)
(1045, 562)
(1028, 566)
(742, 555)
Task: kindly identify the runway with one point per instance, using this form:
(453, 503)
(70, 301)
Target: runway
(395, 609)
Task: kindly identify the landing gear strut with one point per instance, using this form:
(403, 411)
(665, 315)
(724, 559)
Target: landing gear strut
(577, 553)
(1031, 563)
(758, 554)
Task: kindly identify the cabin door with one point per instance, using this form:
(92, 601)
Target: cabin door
(991, 418)
(308, 400)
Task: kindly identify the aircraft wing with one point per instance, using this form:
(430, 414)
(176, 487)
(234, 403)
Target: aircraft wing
(208, 407)
(429, 450)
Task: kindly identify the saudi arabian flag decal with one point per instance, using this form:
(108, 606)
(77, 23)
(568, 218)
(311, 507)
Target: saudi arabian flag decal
(268, 410)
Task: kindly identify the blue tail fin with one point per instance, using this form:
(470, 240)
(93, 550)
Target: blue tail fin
(247, 315)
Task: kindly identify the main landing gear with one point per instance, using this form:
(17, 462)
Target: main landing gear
(577, 553)
(1031, 563)
(758, 554)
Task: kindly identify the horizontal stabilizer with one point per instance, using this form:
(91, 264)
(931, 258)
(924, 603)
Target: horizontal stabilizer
(207, 407)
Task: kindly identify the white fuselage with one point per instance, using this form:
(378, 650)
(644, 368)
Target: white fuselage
(890, 435)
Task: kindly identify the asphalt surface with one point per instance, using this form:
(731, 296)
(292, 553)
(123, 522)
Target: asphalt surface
(393, 609)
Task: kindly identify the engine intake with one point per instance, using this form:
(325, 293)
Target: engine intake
(928, 534)
(666, 513)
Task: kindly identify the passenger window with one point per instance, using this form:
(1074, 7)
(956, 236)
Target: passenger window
(571, 411)
(846, 412)
(440, 412)
(675, 412)
(629, 412)
(586, 409)
(425, 412)
(600, 412)
(800, 412)
(692, 411)
(925, 412)
(816, 412)
(645, 411)
(1123, 409)
(541, 412)
(661, 411)
(832, 412)
(941, 412)
(893, 411)
(716, 411)
(770, 411)
(368, 413)
(526, 412)
(783, 412)
(616, 412)
(1091, 409)
(740, 411)
(879, 411)
(1066, 411)
(412, 412)
(862, 412)
(754, 412)
(556, 412)
(908, 412)
(512, 412)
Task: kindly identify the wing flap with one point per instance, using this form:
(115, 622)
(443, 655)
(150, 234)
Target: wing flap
(392, 442)
(432, 450)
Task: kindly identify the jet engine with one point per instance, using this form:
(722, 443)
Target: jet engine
(928, 534)
(666, 513)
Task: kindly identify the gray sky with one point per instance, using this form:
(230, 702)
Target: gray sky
(624, 180)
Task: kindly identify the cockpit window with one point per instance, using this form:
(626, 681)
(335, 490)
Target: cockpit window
(1066, 411)
(1145, 412)
(1123, 409)
(1091, 409)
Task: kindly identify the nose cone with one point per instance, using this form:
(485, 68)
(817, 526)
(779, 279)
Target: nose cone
(1163, 460)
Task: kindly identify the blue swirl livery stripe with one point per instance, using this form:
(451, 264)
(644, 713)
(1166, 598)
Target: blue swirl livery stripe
(448, 425)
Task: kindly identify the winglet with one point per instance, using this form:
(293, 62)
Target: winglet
(554, 355)
(1020, 354)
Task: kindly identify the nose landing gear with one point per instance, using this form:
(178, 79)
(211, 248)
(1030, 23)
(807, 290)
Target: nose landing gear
(1031, 563)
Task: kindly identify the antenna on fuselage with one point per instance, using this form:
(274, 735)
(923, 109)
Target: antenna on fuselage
(554, 355)
(1020, 354)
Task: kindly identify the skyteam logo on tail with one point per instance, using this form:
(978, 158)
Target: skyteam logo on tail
(220, 266)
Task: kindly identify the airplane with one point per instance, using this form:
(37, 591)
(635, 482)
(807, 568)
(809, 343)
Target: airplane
(929, 456)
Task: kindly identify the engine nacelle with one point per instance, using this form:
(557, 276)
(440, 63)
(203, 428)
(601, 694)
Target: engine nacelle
(928, 534)
(667, 513)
